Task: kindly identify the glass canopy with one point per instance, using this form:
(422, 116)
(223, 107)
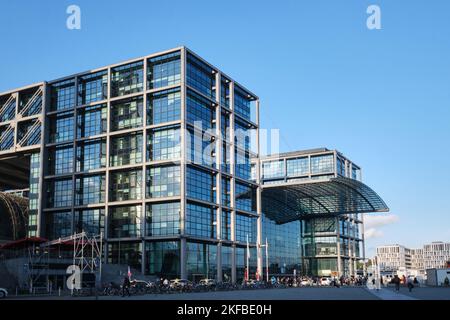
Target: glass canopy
(295, 200)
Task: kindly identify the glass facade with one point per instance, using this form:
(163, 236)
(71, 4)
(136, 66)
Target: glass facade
(125, 222)
(126, 114)
(163, 219)
(91, 121)
(113, 153)
(126, 185)
(163, 258)
(163, 181)
(200, 221)
(126, 149)
(163, 71)
(163, 106)
(127, 79)
(164, 144)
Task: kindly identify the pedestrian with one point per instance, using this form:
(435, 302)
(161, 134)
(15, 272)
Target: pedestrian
(410, 284)
(126, 286)
(396, 281)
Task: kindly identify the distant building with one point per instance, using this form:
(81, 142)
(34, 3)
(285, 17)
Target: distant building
(394, 257)
(436, 255)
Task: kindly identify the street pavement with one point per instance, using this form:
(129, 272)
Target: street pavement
(308, 293)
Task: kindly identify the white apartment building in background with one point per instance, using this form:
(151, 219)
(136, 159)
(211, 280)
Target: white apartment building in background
(393, 257)
(436, 255)
(417, 259)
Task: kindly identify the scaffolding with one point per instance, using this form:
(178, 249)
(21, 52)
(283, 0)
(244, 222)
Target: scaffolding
(87, 252)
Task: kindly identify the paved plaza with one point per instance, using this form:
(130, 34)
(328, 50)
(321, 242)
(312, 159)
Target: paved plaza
(311, 293)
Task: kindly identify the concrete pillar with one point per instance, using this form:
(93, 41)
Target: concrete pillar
(338, 247)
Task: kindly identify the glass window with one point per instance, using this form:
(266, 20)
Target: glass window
(30, 102)
(201, 261)
(226, 190)
(200, 76)
(200, 184)
(125, 222)
(164, 70)
(127, 79)
(59, 224)
(163, 181)
(245, 225)
(225, 93)
(91, 155)
(129, 253)
(61, 160)
(126, 114)
(242, 103)
(163, 106)
(7, 108)
(91, 221)
(126, 149)
(60, 193)
(61, 128)
(226, 225)
(164, 144)
(200, 221)
(297, 167)
(273, 169)
(200, 112)
(201, 148)
(163, 219)
(243, 164)
(242, 135)
(245, 197)
(163, 259)
(63, 95)
(322, 164)
(90, 190)
(226, 157)
(225, 127)
(91, 121)
(126, 185)
(93, 87)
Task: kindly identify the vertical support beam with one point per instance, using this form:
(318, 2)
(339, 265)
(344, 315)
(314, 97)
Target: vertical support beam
(338, 246)
(74, 155)
(218, 147)
(232, 185)
(14, 121)
(363, 244)
(107, 178)
(258, 197)
(46, 100)
(183, 267)
(144, 169)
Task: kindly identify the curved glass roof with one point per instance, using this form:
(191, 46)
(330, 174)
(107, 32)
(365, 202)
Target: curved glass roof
(295, 200)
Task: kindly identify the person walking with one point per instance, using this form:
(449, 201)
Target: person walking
(410, 284)
(396, 281)
(125, 286)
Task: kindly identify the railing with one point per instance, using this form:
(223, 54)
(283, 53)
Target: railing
(6, 135)
(7, 104)
(30, 102)
(30, 131)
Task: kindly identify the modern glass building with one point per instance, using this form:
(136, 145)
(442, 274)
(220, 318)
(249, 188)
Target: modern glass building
(145, 152)
(313, 203)
(154, 154)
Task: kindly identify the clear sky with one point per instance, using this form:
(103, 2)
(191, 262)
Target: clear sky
(382, 97)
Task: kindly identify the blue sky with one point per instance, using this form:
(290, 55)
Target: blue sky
(382, 97)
